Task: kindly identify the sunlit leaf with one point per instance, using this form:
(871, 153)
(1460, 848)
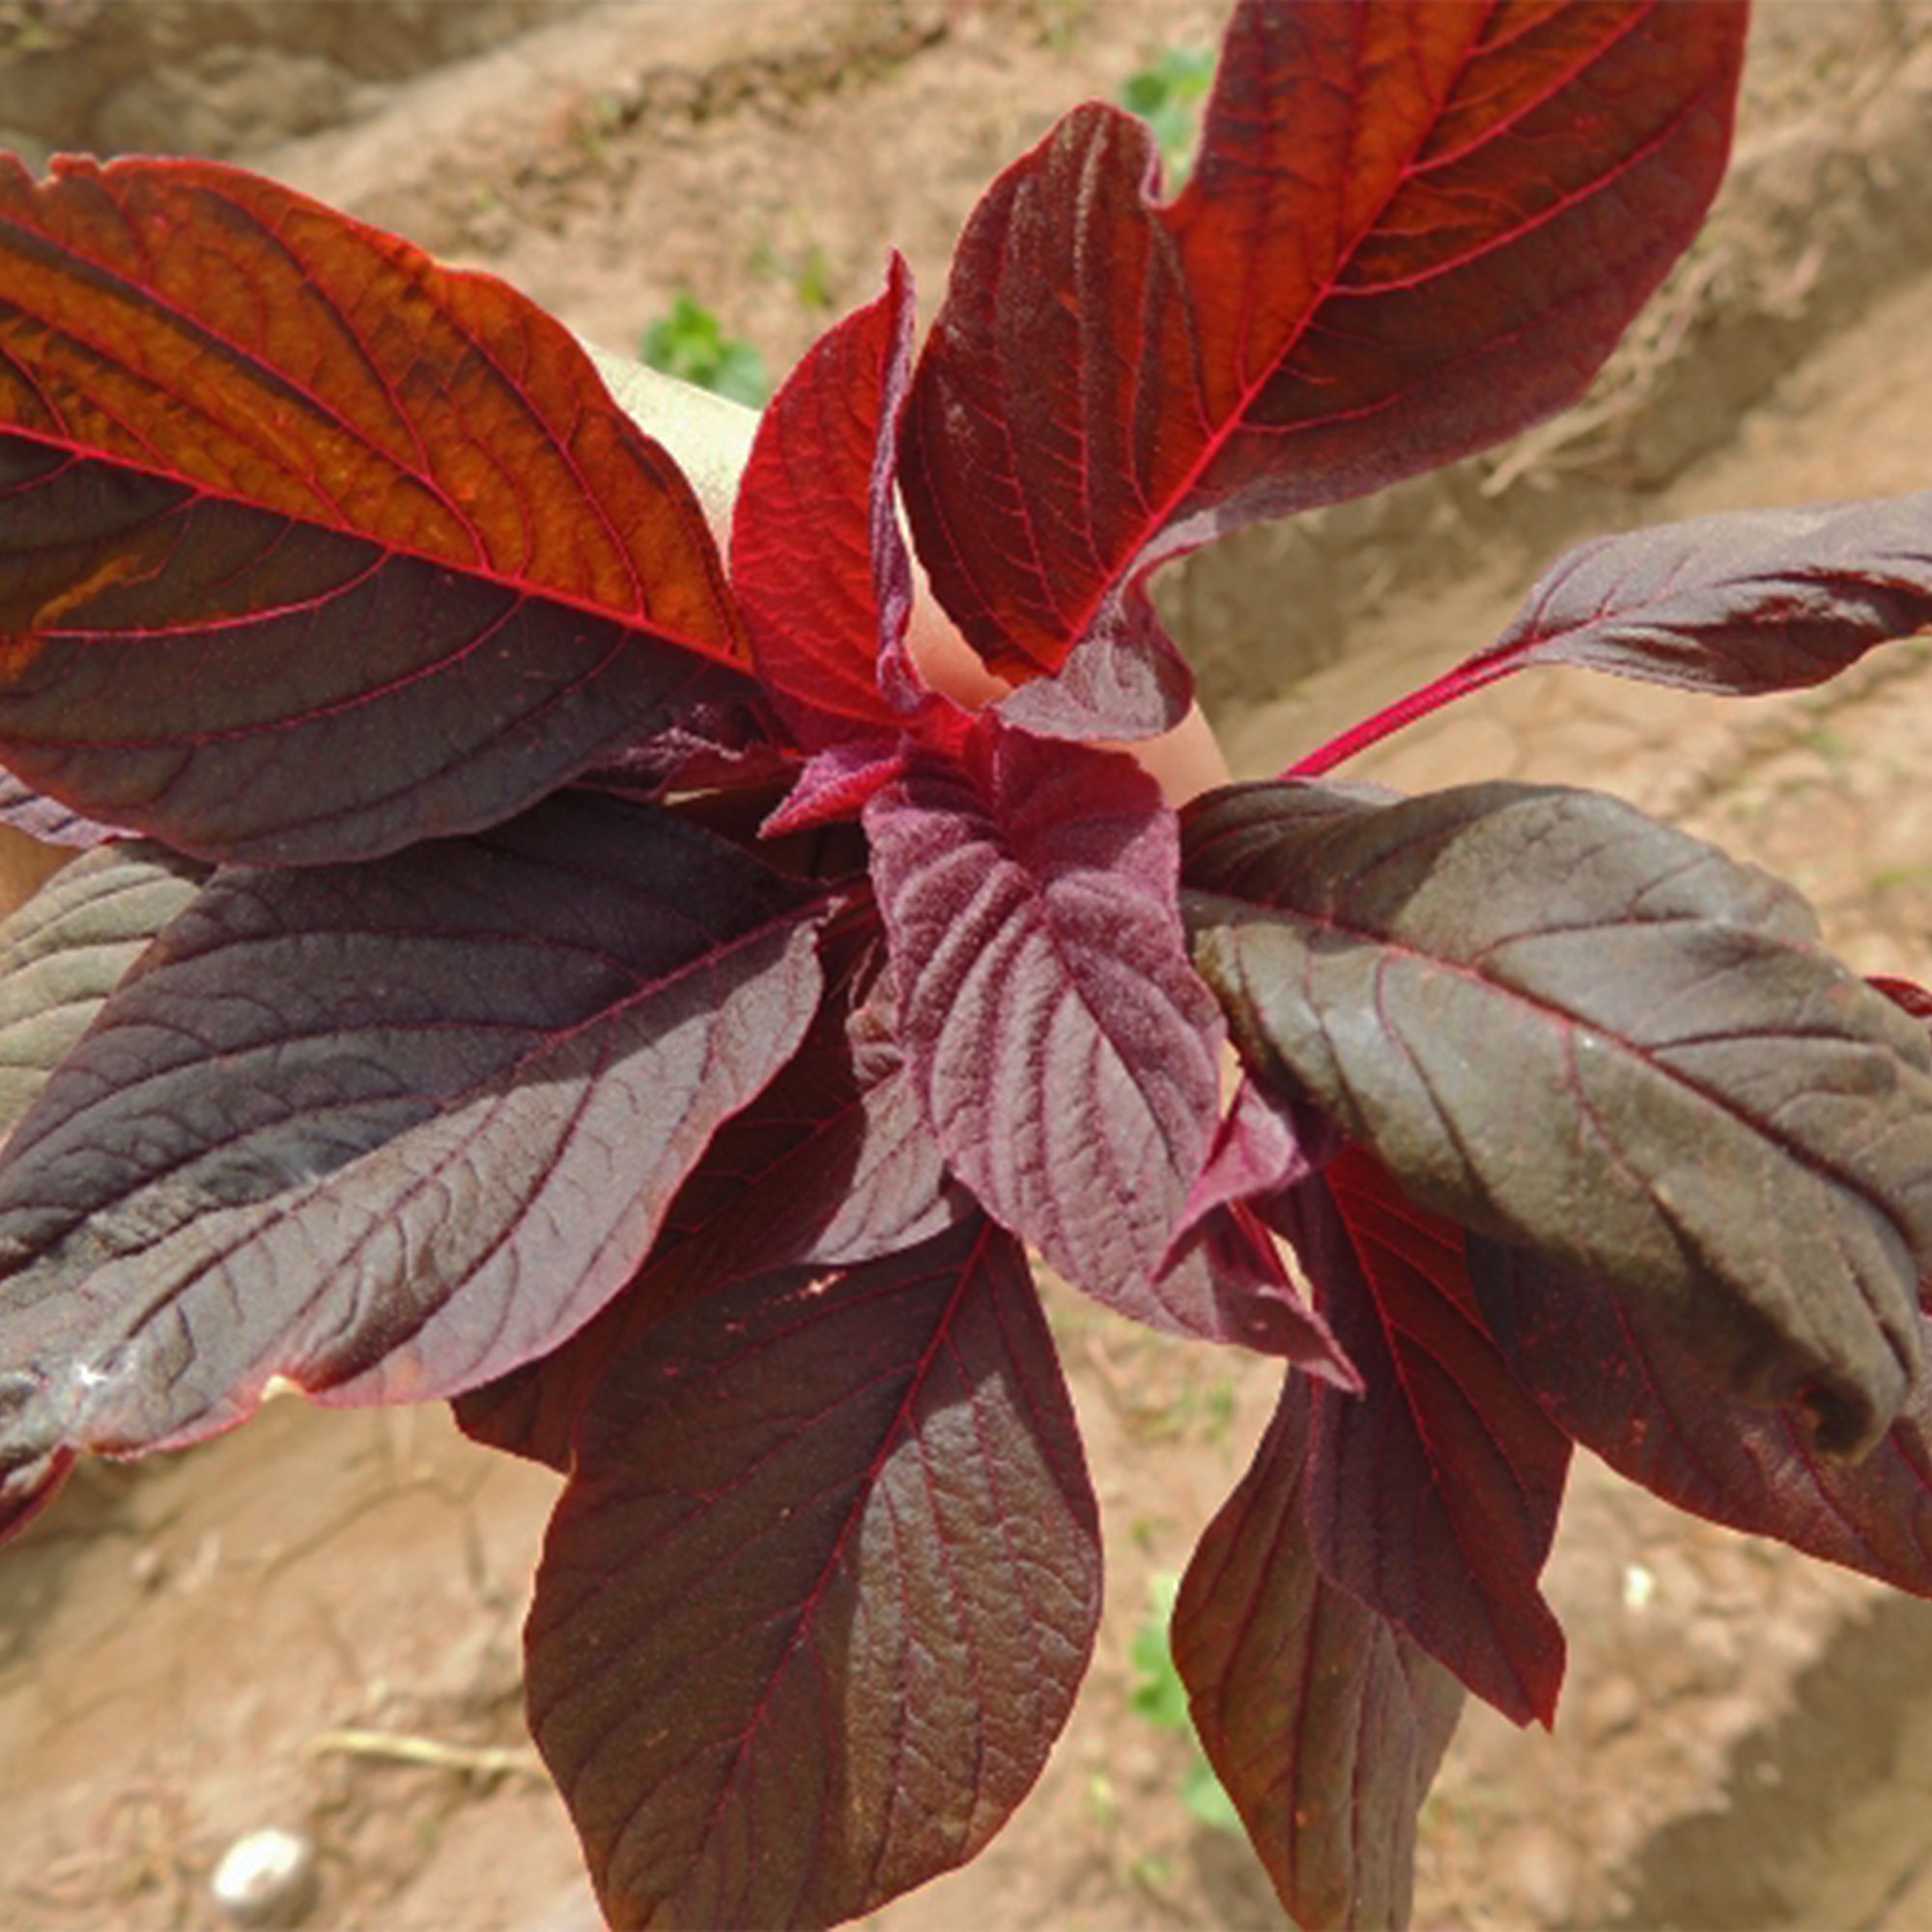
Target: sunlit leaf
(309, 548)
(1569, 1027)
(387, 1130)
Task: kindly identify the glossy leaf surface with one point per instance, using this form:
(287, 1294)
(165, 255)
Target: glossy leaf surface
(69, 946)
(1567, 1026)
(1322, 1721)
(1433, 1495)
(312, 549)
(387, 1130)
(1412, 230)
(815, 1603)
(1624, 1387)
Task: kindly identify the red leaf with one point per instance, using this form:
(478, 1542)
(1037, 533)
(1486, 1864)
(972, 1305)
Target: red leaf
(1625, 1385)
(1065, 1053)
(815, 1603)
(1413, 228)
(1433, 1495)
(1322, 1721)
(818, 561)
(387, 1129)
(312, 548)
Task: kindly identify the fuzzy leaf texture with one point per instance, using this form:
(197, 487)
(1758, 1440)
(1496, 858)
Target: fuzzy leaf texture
(1571, 1028)
(1410, 231)
(309, 548)
(816, 1600)
(1064, 1051)
(1325, 1724)
(385, 1130)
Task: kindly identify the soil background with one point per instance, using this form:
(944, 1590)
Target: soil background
(313, 1623)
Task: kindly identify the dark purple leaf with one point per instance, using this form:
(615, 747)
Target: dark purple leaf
(1433, 1495)
(815, 1603)
(1567, 1026)
(1412, 230)
(1624, 1387)
(1065, 1053)
(1322, 1721)
(69, 946)
(1745, 602)
(312, 549)
(387, 1130)
(832, 1165)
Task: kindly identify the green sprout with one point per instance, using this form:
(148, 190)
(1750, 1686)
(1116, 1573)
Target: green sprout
(1161, 1698)
(1168, 96)
(691, 344)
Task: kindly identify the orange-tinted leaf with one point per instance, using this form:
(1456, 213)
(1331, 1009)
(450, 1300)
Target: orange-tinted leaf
(310, 547)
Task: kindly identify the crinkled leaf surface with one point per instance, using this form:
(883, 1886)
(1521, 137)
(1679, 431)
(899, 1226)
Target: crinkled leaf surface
(832, 1165)
(818, 561)
(1567, 1026)
(1432, 1495)
(1625, 1387)
(1411, 229)
(817, 1598)
(387, 1129)
(1324, 1722)
(312, 549)
(1064, 1051)
(69, 946)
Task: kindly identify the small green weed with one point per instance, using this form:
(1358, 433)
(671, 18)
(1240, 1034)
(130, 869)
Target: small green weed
(1168, 96)
(1161, 1698)
(691, 344)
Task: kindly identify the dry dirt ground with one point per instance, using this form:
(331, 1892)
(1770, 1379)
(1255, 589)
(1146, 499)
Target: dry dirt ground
(313, 1623)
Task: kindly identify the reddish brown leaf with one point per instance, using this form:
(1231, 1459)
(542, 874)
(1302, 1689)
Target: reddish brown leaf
(1433, 1495)
(312, 548)
(1322, 1721)
(1624, 1387)
(815, 1603)
(1567, 1026)
(1412, 230)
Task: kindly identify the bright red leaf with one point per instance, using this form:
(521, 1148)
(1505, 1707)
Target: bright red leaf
(818, 561)
(815, 1603)
(1412, 230)
(310, 547)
